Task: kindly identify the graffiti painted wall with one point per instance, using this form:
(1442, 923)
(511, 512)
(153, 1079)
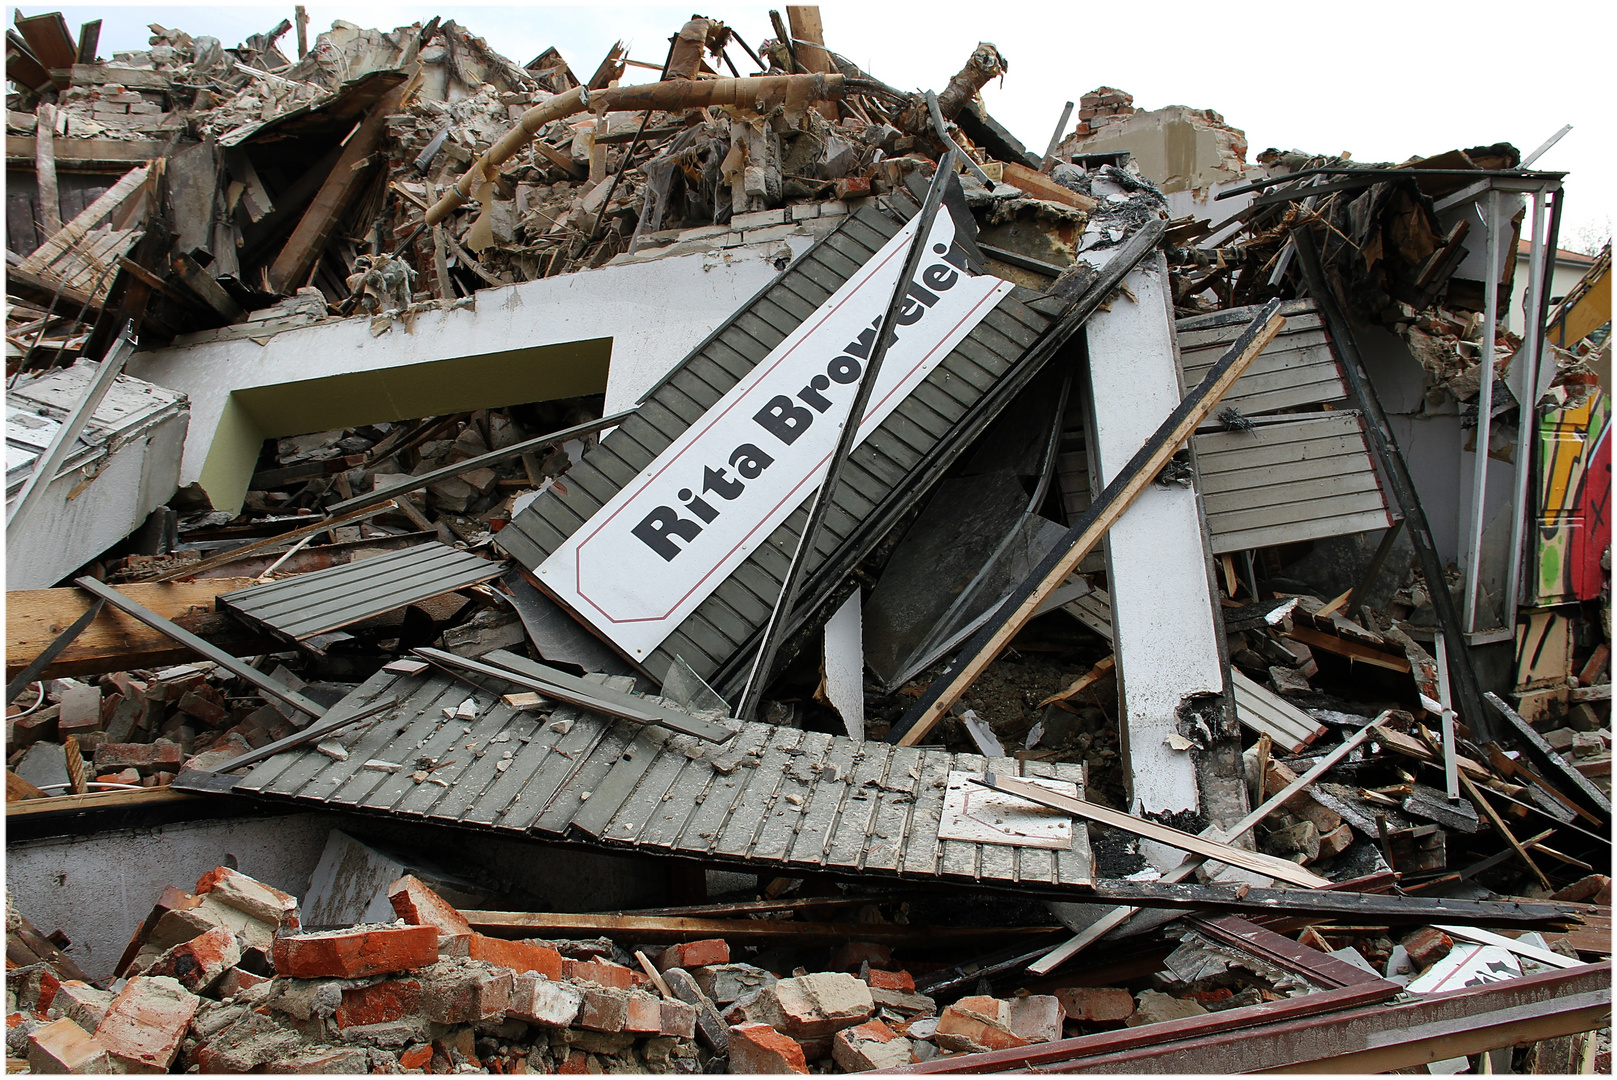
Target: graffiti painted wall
(1574, 498)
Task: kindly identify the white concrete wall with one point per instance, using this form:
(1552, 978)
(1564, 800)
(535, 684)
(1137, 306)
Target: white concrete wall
(653, 313)
(81, 514)
(1162, 617)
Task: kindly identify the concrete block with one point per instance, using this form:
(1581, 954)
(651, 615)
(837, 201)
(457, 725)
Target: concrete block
(545, 1002)
(1035, 1017)
(816, 1006)
(759, 219)
(1152, 1007)
(728, 983)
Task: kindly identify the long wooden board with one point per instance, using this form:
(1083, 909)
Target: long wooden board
(116, 641)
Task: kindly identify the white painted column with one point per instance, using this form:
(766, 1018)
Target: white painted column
(1162, 616)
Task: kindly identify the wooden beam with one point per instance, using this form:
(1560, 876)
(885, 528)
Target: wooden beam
(115, 641)
(1041, 186)
(70, 234)
(76, 154)
(89, 41)
(1355, 651)
(1257, 862)
(1088, 531)
(642, 929)
(49, 199)
(96, 800)
(199, 281)
(233, 554)
(266, 685)
(808, 45)
(1503, 830)
(297, 258)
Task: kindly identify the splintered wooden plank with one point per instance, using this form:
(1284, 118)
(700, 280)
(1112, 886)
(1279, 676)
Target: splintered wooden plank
(921, 844)
(851, 836)
(896, 800)
(756, 805)
(1075, 866)
(819, 818)
(999, 862)
(503, 796)
(957, 858)
(580, 786)
(634, 817)
(732, 776)
(798, 781)
(617, 787)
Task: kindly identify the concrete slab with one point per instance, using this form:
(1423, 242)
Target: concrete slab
(613, 330)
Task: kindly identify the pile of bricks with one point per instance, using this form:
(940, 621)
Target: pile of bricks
(1100, 107)
(136, 728)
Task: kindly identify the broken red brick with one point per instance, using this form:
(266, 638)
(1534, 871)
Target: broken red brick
(853, 187)
(250, 896)
(462, 992)
(1584, 890)
(577, 1064)
(1207, 997)
(759, 1049)
(64, 1047)
(210, 713)
(901, 981)
(677, 1019)
(605, 1009)
(378, 1003)
(691, 954)
(146, 1022)
(603, 972)
(1314, 940)
(142, 757)
(235, 981)
(973, 1024)
(870, 1046)
(353, 954)
(519, 956)
(644, 1014)
(1096, 1004)
(419, 906)
(201, 961)
(851, 955)
(416, 1057)
(35, 987)
(1427, 946)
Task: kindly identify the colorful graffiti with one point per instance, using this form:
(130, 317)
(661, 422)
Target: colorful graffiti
(1574, 498)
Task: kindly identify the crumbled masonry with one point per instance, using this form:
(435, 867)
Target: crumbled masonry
(414, 517)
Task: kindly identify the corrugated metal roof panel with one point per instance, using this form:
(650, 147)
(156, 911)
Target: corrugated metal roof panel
(322, 601)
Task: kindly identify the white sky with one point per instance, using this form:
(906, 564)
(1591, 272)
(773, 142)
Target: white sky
(1383, 81)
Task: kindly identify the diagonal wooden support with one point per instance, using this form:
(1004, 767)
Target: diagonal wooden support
(265, 684)
(1087, 531)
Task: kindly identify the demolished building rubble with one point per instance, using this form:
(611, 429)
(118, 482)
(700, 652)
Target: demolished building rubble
(432, 520)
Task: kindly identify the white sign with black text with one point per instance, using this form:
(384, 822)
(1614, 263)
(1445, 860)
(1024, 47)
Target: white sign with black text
(657, 549)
